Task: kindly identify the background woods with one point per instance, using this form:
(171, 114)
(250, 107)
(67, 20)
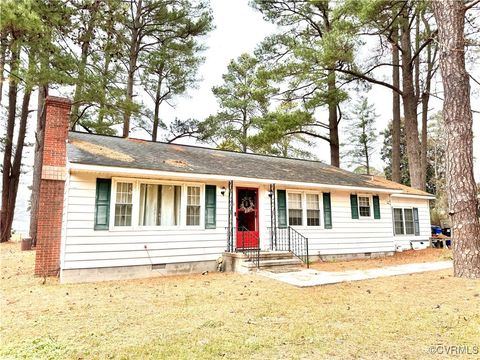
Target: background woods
(124, 63)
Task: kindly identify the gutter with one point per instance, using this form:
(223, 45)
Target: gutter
(413, 196)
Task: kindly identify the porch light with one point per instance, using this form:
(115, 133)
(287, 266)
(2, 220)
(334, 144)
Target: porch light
(222, 191)
(270, 193)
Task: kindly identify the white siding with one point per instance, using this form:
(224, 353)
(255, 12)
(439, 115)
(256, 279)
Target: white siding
(347, 235)
(83, 247)
(86, 248)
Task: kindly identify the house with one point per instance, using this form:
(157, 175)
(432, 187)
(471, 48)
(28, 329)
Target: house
(116, 207)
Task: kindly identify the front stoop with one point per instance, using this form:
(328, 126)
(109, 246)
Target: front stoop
(276, 261)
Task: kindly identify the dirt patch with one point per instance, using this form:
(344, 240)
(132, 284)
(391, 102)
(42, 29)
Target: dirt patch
(101, 150)
(399, 258)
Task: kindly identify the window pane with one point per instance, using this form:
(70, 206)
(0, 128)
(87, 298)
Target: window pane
(159, 205)
(313, 217)
(398, 221)
(294, 201)
(193, 205)
(364, 205)
(150, 198)
(294, 217)
(295, 212)
(123, 204)
(409, 226)
(312, 202)
(170, 205)
(193, 215)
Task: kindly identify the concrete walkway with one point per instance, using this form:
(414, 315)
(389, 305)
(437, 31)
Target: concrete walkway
(311, 277)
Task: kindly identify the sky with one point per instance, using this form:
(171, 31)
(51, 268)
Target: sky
(239, 29)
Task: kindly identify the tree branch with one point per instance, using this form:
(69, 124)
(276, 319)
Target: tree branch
(471, 4)
(369, 79)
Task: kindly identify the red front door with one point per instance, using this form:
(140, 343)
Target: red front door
(247, 218)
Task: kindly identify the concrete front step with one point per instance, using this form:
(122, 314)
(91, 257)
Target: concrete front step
(273, 263)
(277, 260)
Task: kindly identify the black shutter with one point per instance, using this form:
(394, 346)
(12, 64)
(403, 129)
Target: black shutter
(210, 207)
(102, 204)
(327, 210)
(376, 207)
(416, 221)
(282, 208)
(354, 206)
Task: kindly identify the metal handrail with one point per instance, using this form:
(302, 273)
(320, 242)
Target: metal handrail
(289, 239)
(252, 252)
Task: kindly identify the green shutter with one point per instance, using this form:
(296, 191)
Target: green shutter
(416, 221)
(102, 204)
(282, 208)
(376, 207)
(210, 207)
(327, 210)
(354, 206)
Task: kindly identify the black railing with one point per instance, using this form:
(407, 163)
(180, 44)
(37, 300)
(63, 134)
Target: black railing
(248, 243)
(289, 239)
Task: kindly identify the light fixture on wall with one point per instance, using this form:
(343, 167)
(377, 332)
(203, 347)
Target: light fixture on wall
(270, 193)
(222, 191)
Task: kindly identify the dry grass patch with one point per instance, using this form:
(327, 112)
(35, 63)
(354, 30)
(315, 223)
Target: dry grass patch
(399, 258)
(232, 316)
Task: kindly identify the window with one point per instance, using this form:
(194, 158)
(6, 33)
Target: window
(159, 205)
(193, 205)
(123, 204)
(313, 210)
(406, 221)
(364, 206)
(409, 227)
(295, 209)
(398, 221)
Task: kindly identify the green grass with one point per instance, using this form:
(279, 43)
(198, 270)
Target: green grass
(232, 316)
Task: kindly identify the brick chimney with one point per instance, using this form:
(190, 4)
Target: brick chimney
(52, 186)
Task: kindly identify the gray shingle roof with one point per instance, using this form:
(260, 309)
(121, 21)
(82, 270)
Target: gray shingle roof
(133, 153)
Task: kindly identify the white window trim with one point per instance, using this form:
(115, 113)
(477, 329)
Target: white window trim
(288, 207)
(303, 194)
(320, 209)
(136, 205)
(370, 202)
(403, 220)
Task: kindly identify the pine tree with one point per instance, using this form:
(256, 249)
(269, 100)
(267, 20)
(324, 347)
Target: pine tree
(244, 96)
(361, 136)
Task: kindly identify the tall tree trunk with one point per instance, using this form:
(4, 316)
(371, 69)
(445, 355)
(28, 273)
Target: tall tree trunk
(431, 59)
(461, 187)
(80, 83)
(3, 54)
(158, 100)
(417, 178)
(134, 48)
(396, 156)
(333, 120)
(38, 158)
(244, 131)
(8, 150)
(17, 160)
(365, 149)
(104, 81)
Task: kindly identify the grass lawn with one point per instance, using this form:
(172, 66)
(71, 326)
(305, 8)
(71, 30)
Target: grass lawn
(232, 316)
